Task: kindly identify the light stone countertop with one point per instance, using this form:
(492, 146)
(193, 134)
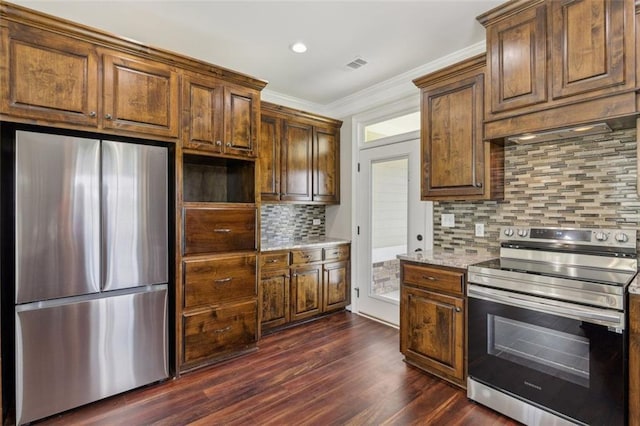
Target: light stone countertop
(449, 259)
(274, 245)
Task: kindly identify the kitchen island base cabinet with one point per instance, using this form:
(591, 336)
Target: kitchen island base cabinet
(432, 321)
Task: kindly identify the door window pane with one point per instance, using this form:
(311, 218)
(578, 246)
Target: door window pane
(389, 218)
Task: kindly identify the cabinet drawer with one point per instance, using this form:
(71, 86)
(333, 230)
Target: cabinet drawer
(303, 256)
(210, 230)
(219, 332)
(213, 281)
(273, 261)
(433, 278)
(336, 253)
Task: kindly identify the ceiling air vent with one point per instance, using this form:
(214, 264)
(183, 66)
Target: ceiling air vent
(357, 63)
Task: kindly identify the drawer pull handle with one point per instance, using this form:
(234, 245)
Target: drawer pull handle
(337, 253)
(222, 230)
(306, 256)
(427, 277)
(272, 261)
(223, 280)
(223, 330)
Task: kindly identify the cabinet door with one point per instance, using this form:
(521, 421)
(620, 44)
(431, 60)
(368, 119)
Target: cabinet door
(306, 292)
(432, 331)
(202, 113)
(269, 148)
(140, 96)
(48, 77)
(517, 60)
(326, 165)
(336, 286)
(452, 145)
(241, 109)
(296, 162)
(274, 296)
(589, 51)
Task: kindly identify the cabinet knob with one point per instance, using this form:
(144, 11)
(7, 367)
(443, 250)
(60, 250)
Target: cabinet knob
(107, 116)
(92, 114)
(458, 309)
(218, 143)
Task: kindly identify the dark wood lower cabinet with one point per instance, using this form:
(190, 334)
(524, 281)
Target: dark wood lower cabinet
(219, 333)
(432, 320)
(306, 291)
(302, 284)
(274, 295)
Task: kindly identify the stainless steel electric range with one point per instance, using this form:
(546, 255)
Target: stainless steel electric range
(547, 327)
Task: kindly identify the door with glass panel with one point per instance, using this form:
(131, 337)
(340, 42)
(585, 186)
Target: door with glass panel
(392, 220)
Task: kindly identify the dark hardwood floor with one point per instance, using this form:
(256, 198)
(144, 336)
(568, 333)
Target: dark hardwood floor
(340, 370)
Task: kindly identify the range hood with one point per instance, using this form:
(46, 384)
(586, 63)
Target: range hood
(561, 134)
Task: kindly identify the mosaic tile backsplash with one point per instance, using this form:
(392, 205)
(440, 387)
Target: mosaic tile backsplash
(585, 182)
(285, 222)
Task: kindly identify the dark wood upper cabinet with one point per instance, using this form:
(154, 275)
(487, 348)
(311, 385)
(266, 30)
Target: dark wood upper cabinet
(219, 118)
(140, 95)
(269, 157)
(299, 156)
(518, 61)
(456, 162)
(46, 76)
(588, 51)
(296, 161)
(559, 63)
(202, 113)
(241, 111)
(326, 161)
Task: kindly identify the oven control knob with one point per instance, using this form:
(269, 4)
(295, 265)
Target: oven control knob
(508, 232)
(622, 237)
(601, 236)
(522, 232)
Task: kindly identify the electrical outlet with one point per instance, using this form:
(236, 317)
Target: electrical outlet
(317, 221)
(448, 220)
(479, 229)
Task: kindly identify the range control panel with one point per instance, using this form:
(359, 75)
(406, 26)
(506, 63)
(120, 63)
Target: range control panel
(624, 238)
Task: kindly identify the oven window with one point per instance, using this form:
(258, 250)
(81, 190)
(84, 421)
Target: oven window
(543, 349)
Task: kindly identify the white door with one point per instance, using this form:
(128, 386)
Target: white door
(392, 220)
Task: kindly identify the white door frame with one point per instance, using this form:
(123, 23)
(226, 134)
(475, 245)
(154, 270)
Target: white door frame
(400, 107)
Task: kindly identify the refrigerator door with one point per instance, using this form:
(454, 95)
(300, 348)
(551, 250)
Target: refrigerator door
(72, 352)
(135, 215)
(57, 214)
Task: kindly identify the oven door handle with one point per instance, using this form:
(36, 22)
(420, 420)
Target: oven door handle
(581, 313)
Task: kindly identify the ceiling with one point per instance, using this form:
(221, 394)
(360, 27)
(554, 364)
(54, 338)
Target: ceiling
(253, 37)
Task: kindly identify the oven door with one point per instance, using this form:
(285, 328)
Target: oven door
(573, 367)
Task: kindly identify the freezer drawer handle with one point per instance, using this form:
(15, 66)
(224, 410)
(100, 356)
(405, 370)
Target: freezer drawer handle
(222, 230)
(223, 280)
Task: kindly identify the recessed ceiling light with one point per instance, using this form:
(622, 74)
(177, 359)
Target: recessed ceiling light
(299, 47)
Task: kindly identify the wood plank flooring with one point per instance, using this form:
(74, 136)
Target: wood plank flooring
(340, 370)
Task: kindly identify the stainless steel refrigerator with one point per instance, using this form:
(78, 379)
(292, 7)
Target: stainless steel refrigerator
(91, 270)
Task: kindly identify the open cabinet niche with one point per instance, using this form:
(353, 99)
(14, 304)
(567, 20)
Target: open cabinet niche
(218, 180)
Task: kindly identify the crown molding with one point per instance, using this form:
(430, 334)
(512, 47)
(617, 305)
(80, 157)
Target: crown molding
(393, 89)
